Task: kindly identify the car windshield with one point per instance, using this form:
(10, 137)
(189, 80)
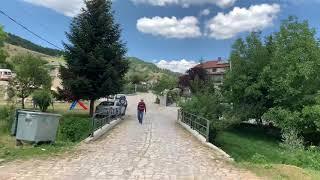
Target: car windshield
(107, 103)
(120, 96)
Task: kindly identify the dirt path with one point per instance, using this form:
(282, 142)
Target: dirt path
(159, 149)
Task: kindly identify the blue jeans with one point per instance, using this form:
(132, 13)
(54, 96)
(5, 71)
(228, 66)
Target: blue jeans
(140, 116)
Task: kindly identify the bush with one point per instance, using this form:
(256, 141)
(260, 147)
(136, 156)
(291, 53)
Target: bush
(173, 95)
(259, 159)
(43, 99)
(128, 88)
(142, 88)
(6, 118)
(210, 106)
(74, 128)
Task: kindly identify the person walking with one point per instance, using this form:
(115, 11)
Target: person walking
(142, 108)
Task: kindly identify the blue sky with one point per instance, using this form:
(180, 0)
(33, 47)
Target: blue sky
(167, 30)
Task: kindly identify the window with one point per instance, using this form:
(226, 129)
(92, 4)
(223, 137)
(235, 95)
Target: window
(214, 69)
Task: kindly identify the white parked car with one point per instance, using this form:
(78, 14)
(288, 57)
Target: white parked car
(113, 106)
(5, 74)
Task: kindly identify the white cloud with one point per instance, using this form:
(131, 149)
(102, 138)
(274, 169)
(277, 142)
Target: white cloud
(186, 27)
(186, 3)
(205, 12)
(256, 17)
(180, 66)
(66, 7)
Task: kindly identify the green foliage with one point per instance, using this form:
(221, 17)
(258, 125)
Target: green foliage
(3, 54)
(18, 41)
(196, 80)
(128, 88)
(6, 119)
(251, 144)
(277, 79)
(292, 76)
(148, 71)
(242, 86)
(165, 83)
(209, 105)
(142, 88)
(96, 63)
(43, 99)
(136, 78)
(31, 74)
(258, 159)
(285, 119)
(173, 95)
(74, 128)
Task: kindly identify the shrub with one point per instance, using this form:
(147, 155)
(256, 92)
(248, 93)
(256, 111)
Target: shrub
(142, 88)
(291, 123)
(43, 99)
(210, 106)
(259, 159)
(128, 88)
(173, 95)
(74, 129)
(6, 118)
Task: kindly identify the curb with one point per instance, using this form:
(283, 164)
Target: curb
(101, 131)
(203, 141)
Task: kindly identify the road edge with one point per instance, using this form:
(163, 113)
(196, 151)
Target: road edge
(203, 141)
(102, 131)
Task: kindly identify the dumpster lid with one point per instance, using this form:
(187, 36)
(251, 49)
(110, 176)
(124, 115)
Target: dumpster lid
(38, 113)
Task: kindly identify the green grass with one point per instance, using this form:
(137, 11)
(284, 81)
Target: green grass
(78, 128)
(253, 149)
(9, 152)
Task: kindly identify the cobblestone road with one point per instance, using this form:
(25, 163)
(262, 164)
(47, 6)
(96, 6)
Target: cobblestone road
(159, 149)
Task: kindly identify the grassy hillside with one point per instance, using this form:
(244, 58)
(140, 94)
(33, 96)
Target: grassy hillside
(13, 50)
(18, 41)
(16, 45)
(149, 70)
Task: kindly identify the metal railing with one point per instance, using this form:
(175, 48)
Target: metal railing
(197, 123)
(102, 118)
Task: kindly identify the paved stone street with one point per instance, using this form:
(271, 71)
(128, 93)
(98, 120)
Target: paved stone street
(159, 149)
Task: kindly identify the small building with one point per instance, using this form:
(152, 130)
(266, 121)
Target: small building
(216, 69)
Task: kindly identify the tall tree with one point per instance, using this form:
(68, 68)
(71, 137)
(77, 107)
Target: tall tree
(165, 83)
(31, 74)
(195, 79)
(3, 53)
(96, 63)
(242, 86)
(293, 77)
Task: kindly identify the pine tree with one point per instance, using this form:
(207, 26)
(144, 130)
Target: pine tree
(95, 57)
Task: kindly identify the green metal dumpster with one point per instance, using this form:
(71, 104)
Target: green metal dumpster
(37, 126)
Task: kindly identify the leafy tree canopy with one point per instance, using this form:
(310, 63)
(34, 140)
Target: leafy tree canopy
(96, 63)
(3, 53)
(31, 74)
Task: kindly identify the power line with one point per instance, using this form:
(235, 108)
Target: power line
(27, 29)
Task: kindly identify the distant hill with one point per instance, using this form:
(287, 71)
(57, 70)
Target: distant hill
(18, 41)
(16, 45)
(149, 70)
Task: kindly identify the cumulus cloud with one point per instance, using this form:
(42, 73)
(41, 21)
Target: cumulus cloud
(186, 3)
(205, 12)
(68, 8)
(180, 66)
(186, 27)
(256, 17)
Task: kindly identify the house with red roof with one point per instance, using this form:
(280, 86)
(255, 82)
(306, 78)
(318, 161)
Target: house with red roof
(216, 69)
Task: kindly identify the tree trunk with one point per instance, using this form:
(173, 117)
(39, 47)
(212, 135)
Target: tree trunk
(91, 107)
(22, 102)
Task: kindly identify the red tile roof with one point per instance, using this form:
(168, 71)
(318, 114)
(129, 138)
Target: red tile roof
(214, 64)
